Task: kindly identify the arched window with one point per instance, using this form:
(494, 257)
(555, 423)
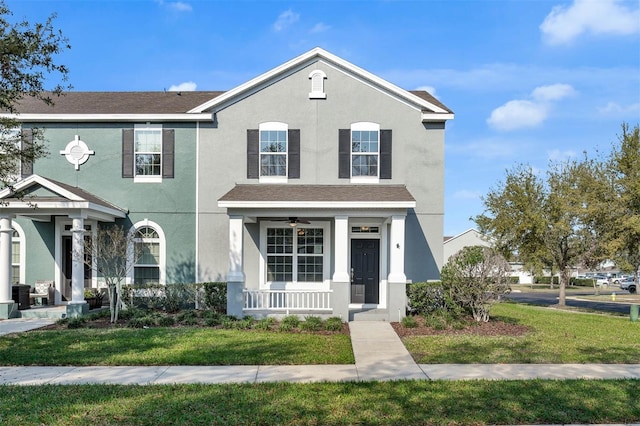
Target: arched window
(17, 254)
(149, 253)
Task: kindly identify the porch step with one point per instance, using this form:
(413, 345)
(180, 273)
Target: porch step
(52, 312)
(369, 315)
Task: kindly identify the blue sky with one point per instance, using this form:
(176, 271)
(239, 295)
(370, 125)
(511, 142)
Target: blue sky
(529, 81)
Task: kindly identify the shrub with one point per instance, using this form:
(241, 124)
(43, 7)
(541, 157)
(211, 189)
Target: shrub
(409, 322)
(291, 321)
(425, 297)
(141, 322)
(266, 324)
(311, 323)
(514, 280)
(78, 322)
(476, 277)
(333, 324)
(228, 321)
(215, 296)
(547, 280)
(244, 324)
(166, 321)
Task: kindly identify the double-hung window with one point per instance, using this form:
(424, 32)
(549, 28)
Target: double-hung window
(273, 150)
(148, 153)
(295, 254)
(12, 142)
(364, 153)
(273, 153)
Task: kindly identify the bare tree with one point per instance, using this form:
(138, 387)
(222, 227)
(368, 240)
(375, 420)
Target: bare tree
(112, 253)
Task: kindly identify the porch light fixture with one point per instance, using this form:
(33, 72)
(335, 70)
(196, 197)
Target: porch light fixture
(293, 223)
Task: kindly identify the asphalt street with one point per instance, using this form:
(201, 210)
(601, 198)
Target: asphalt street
(573, 299)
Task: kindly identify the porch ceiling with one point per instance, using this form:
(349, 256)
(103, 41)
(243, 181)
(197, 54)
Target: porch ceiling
(318, 196)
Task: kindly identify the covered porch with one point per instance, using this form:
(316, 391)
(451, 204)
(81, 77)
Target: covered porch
(74, 214)
(323, 250)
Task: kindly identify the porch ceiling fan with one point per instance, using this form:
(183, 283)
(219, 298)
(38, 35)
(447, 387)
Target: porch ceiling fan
(293, 221)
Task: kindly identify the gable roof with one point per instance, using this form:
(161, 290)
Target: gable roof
(318, 196)
(50, 197)
(432, 109)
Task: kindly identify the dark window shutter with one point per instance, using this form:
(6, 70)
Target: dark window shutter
(127, 153)
(385, 154)
(26, 144)
(253, 154)
(344, 153)
(168, 152)
(294, 154)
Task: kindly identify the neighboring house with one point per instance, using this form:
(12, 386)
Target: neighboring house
(468, 238)
(316, 187)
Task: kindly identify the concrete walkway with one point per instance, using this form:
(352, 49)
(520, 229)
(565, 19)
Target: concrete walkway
(379, 354)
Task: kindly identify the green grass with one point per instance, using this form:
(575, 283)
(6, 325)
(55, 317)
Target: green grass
(173, 346)
(556, 337)
(370, 403)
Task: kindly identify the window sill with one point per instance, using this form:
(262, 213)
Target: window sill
(272, 179)
(365, 179)
(147, 179)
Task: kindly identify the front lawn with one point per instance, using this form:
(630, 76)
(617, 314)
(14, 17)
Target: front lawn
(555, 337)
(370, 403)
(173, 346)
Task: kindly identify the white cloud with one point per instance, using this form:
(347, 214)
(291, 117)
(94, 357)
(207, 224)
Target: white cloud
(286, 19)
(557, 155)
(564, 24)
(521, 113)
(187, 86)
(516, 114)
(320, 27)
(176, 5)
(616, 108)
(553, 92)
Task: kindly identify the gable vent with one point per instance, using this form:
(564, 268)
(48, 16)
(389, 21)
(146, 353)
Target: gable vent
(317, 84)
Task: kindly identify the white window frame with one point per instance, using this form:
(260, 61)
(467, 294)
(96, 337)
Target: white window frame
(162, 249)
(325, 284)
(20, 239)
(278, 127)
(146, 178)
(366, 127)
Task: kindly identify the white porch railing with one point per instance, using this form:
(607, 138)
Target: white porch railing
(287, 300)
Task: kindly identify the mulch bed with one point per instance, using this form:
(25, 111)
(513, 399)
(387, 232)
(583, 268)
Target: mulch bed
(492, 328)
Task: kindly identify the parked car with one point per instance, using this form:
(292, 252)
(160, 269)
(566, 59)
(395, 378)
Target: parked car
(628, 284)
(601, 281)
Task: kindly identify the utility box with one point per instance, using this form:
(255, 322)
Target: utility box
(20, 295)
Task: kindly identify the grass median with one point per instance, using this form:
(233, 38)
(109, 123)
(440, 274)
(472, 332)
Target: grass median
(372, 403)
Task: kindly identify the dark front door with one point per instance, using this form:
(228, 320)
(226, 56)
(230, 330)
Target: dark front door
(365, 272)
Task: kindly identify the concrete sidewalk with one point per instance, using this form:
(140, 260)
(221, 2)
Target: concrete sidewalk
(379, 355)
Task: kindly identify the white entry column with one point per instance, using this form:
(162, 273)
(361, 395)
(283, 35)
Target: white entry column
(6, 233)
(397, 280)
(341, 282)
(235, 276)
(77, 262)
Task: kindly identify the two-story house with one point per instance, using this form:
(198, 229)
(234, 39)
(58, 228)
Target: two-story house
(316, 187)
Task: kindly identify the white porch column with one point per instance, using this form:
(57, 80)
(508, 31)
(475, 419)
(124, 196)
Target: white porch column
(6, 233)
(77, 262)
(341, 283)
(341, 254)
(235, 276)
(396, 251)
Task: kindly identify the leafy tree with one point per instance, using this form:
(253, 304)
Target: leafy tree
(27, 59)
(476, 277)
(539, 219)
(623, 204)
(112, 253)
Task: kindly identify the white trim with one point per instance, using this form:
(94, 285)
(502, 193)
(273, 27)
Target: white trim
(319, 204)
(59, 232)
(298, 62)
(383, 237)
(317, 78)
(197, 218)
(432, 117)
(274, 126)
(163, 248)
(364, 126)
(108, 117)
